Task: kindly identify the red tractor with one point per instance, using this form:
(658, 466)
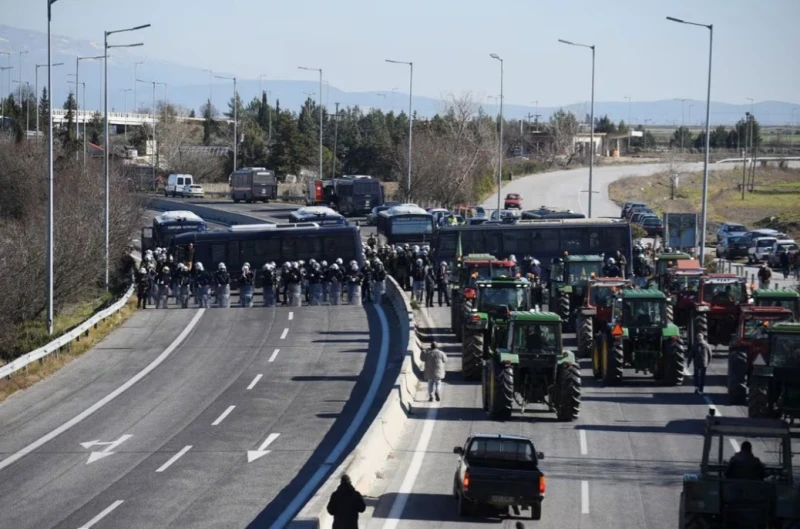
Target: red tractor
(717, 309)
(681, 286)
(750, 346)
(595, 312)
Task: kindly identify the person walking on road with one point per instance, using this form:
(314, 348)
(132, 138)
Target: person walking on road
(701, 356)
(346, 504)
(435, 361)
(764, 275)
(784, 257)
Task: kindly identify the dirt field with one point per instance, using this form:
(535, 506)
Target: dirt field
(777, 195)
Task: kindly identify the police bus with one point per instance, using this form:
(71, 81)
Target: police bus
(261, 243)
(167, 225)
(551, 213)
(543, 239)
(252, 184)
(322, 215)
(350, 195)
(405, 223)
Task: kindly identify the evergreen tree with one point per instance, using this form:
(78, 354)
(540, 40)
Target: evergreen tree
(95, 129)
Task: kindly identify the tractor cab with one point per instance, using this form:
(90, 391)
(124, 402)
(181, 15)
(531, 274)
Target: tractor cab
(789, 299)
(533, 337)
(774, 389)
(569, 276)
(595, 312)
(472, 268)
(639, 313)
(663, 263)
(682, 286)
(716, 311)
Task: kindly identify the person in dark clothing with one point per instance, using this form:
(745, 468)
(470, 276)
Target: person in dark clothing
(442, 283)
(345, 505)
(366, 282)
(702, 359)
(764, 275)
(744, 465)
(142, 288)
(430, 286)
(784, 257)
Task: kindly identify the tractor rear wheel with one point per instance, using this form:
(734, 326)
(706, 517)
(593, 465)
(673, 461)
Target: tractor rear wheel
(758, 404)
(585, 334)
(700, 325)
(472, 356)
(502, 391)
(615, 362)
(674, 362)
(569, 392)
(562, 308)
(670, 313)
(737, 378)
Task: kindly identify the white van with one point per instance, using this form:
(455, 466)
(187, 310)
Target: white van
(175, 183)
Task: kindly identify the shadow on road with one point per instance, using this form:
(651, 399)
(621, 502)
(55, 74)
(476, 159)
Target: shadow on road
(439, 508)
(681, 426)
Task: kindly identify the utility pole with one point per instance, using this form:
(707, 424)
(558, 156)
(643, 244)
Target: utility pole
(37, 92)
(410, 121)
(629, 122)
(500, 144)
(335, 140)
(126, 90)
(744, 152)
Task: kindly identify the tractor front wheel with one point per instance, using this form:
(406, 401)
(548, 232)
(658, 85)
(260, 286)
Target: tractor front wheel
(472, 356)
(614, 363)
(569, 392)
(737, 378)
(585, 334)
(758, 404)
(502, 391)
(670, 312)
(674, 363)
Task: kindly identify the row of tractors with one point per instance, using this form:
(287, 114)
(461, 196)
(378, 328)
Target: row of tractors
(517, 351)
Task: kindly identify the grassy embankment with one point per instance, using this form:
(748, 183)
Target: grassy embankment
(774, 204)
(33, 335)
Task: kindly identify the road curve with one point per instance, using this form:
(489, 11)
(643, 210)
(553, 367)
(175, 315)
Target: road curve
(236, 409)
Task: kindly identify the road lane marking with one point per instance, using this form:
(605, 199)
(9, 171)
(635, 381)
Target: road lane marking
(255, 380)
(291, 316)
(222, 417)
(584, 497)
(311, 485)
(582, 435)
(274, 355)
(107, 451)
(734, 442)
(174, 458)
(105, 400)
(284, 333)
(252, 455)
(396, 512)
(102, 515)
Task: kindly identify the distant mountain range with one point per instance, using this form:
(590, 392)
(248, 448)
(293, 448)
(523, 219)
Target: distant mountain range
(189, 87)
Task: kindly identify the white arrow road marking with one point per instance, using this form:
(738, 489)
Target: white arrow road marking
(222, 417)
(252, 455)
(284, 333)
(254, 382)
(105, 512)
(291, 316)
(105, 400)
(174, 458)
(274, 355)
(107, 451)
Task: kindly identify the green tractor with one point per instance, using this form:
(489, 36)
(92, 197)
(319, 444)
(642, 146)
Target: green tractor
(486, 316)
(569, 276)
(714, 500)
(469, 269)
(774, 388)
(639, 336)
(786, 298)
(664, 262)
(527, 364)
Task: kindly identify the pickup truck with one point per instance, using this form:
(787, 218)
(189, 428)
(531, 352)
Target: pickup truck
(498, 471)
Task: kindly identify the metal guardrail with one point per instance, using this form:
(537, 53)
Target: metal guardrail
(56, 345)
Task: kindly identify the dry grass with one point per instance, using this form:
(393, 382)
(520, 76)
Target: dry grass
(37, 371)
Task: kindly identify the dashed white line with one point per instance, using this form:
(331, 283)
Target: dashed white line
(102, 515)
(222, 417)
(255, 381)
(284, 333)
(174, 458)
(274, 355)
(584, 447)
(291, 316)
(734, 442)
(584, 497)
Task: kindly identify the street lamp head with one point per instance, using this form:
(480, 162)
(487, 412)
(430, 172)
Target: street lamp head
(494, 56)
(562, 41)
(673, 19)
(140, 27)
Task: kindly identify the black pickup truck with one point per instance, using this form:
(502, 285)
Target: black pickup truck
(499, 471)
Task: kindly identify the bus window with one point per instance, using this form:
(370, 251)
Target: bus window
(337, 245)
(234, 259)
(217, 254)
(268, 249)
(309, 248)
(595, 241)
(574, 240)
(288, 249)
(615, 238)
(494, 243)
(516, 242)
(544, 241)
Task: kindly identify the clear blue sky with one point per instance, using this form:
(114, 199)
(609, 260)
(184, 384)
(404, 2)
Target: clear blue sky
(639, 53)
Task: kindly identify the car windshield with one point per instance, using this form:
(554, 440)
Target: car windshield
(764, 243)
(727, 293)
(651, 221)
(737, 240)
(643, 312)
(536, 338)
(790, 247)
(785, 350)
(494, 298)
(512, 196)
(736, 227)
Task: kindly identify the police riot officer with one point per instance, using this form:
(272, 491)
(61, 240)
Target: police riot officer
(418, 278)
(152, 293)
(326, 281)
(294, 282)
(443, 283)
(402, 267)
(372, 241)
(202, 286)
(268, 282)
(335, 276)
(430, 285)
(284, 278)
(163, 281)
(314, 278)
(142, 288)
(246, 286)
(354, 280)
(182, 281)
(222, 284)
(378, 281)
(366, 281)
(611, 269)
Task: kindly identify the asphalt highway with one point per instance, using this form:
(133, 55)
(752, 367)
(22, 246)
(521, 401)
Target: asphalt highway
(193, 418)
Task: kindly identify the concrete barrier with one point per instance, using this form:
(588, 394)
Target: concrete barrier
(367, 458)
(206, 212)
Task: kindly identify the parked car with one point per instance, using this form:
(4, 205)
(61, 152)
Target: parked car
(438, 213)
(761, 232)
(507, 216)
(779, 247)
(626, 207)
(639, 209)
(760, 248)
(498, 471)
(637, 217)
(513, 201)
(193, 191)
(730, 228)
(175, 184)
(731, 247)
(372, 218)
(653, 226)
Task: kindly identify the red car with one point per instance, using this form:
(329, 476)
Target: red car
(513, 201)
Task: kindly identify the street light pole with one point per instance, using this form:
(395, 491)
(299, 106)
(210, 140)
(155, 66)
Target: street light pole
(410, 120)
(77, 82)
(153, 114)
(629, 122)
(126, 90)
(3, 99)
(591, 124)
(106, 145)
(20, 76)
(335, 140)
(320, 113)
(135, 76)
(49, 242)
(235, 119)
(710, 28)
(37, 92)
(500, 143)
(83, 85)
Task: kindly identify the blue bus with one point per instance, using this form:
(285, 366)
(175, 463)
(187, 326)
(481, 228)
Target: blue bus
(167, 225)
(405, 224)
(261, 243)
(322, 215)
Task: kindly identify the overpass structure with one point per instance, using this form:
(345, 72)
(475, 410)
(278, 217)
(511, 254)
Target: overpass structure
(119, 118)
